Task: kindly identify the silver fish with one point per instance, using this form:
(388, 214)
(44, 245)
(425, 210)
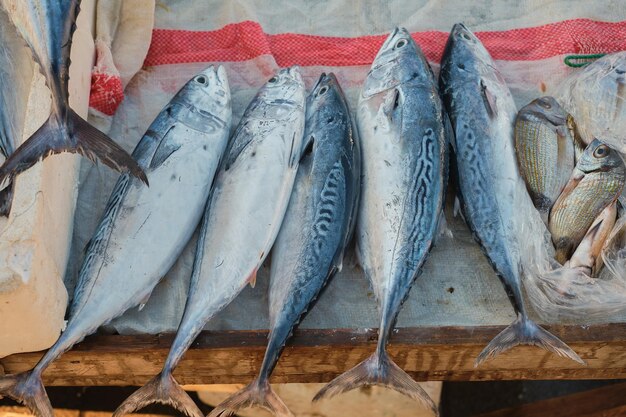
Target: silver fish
(143, 229)
(401, 126)
(313, 237)
(242, 219)
(47, 26)
(482, 112)
(16, 72)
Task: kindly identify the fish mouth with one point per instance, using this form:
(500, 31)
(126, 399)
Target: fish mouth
(319, 82)
(294, 73)
(460, 29)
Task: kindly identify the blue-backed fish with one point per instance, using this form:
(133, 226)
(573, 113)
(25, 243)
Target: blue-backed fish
(492, 192)
(143, 229)
(401, 126)
(312, 240)
(242, 219)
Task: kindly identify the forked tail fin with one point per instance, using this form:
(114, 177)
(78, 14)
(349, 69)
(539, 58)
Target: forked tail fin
(77, 137)
(524, 331)
(258, 393)
(162, 389)
(27, 388)
(378, 369)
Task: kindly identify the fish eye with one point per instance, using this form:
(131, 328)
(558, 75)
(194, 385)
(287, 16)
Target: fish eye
(466, 36)
(601, 151)
(201, 79)
(323, 91)
(273, 80)
(401, 43)
(545, 104)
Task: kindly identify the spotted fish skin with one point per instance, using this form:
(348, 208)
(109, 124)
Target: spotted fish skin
(313, 237)
(492, 192)
(404, 173)
(545, 151)
(596, 183)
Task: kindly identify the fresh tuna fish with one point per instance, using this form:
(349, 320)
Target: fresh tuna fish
(596, 183)
(313, 237)
(400, 123)
(143, 229)
(16, 73)
(545, 151)
(47, 27)
(243, 216)
(482, 112)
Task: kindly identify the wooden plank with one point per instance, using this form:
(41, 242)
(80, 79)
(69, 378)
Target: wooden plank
(373, 401)
(606, 402)
(9, 411)
(225, 357)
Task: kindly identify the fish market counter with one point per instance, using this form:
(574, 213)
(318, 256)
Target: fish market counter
(454, 309)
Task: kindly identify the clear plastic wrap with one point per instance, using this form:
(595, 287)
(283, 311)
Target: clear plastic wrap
(595, 97)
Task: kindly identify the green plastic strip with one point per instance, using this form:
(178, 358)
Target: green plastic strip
(578, 61)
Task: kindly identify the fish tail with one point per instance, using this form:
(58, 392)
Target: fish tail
(27, 388)
(524, 331)
(258, 393)
(380, 370)
(162, 389)
(77, 137)
(6, 200)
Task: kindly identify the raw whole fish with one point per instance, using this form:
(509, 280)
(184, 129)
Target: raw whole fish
(143, 229)
(243, 216)
(401, 127)
(482, 113)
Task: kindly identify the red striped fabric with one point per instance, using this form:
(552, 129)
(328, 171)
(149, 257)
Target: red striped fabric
(247, 40)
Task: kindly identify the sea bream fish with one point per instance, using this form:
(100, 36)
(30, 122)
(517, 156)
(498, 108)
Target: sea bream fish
(312, 240)
(242, 218)
(544, 145)
(16, 73)
(401, 127)
(47, 26)
(595, 184)
(143, 229)
(492, 192)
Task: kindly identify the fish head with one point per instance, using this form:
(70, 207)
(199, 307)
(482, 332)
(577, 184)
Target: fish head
(326, 98)
(209, 91)
(599, 157)
(286, 86)
(399, 60)
(464, 53)
(547, 108)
